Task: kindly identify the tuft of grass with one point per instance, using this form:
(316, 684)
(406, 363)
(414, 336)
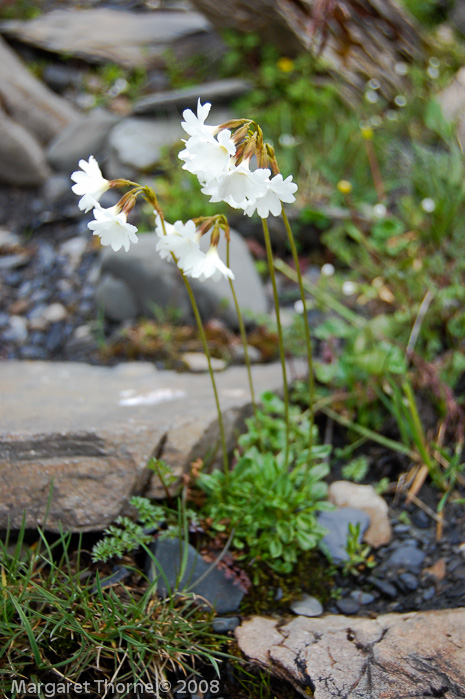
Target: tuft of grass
(58, 620)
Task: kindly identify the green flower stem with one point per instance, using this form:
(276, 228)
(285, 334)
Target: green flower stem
(243, 333)
(212, 377)
(269, 254)
(308, 339)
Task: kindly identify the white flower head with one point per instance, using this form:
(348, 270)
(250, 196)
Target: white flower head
(428, 205)
(278, 191)
(239, 186)
(90, 183)
(113, 228)
(327, 269)
(195, 125)
(208, 158)
(349, 288)
(182, 241)
(210, 267)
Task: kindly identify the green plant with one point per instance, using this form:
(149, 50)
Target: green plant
(359, 555)
(270, 503)
(357, 469)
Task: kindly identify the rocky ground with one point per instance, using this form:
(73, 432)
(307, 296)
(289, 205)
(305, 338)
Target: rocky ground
(51, 275)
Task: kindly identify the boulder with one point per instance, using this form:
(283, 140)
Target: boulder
(420, 654)
(28, 101)
(82, 435)
(22, 158)
(129, 39)
(84, 137)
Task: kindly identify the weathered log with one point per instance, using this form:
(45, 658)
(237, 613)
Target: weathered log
(358, 39)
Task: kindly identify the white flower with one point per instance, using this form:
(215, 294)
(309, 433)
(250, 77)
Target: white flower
(194, 125)
(208, 158)
(182, 241)
(112, 227)
(379, 211)
(239, 187)
(210, 267)
(327, 269)
(90, 183)
(349, 288)
(428, 205)
(278, 191)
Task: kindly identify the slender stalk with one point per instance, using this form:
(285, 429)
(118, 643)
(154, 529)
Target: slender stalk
(243, 333)
(269, 254)
(308, 339)
(375, 171)
(212, 377)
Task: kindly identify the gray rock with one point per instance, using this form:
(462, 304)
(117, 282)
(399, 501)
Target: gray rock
(395, 655)
(92, 429)
(29, 102)
(213, 92)
(204, 579)
(22, 159)
(365, 498)
(307, 606)
(337, 523)
(406, 556)
(225, 624)
(85, 136)
(136, 143)
(131, 283)
(348, 605)
(197, 362)
(129, 39)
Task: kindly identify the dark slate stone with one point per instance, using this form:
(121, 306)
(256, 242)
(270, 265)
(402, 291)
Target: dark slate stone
(386, 588)
(225, 624)
(214, 91)
(348, 605)
(215, 587)
(421, 519)
(337, 523)
(406, 556)
(407, 582)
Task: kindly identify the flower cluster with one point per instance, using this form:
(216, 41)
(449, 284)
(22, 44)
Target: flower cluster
(110, 224)
(221, 161)
(179, 241)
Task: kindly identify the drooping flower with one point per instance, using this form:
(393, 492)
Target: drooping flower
(278, 191)
(239, 187)
(113, 228)
(90, 183)
(208, 158)
(211, 267)
(195, 125)
(182, 241)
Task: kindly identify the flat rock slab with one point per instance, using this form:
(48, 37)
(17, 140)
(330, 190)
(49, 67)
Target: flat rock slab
(92, 429)
(126, 38)
(420, 654)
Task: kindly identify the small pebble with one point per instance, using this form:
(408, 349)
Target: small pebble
(385, 587)
(408, 581)
(407, 556)
(348, 605)
(307, 606)
(421, 519)
(429, 593)
(225, 624)
(362, 597)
